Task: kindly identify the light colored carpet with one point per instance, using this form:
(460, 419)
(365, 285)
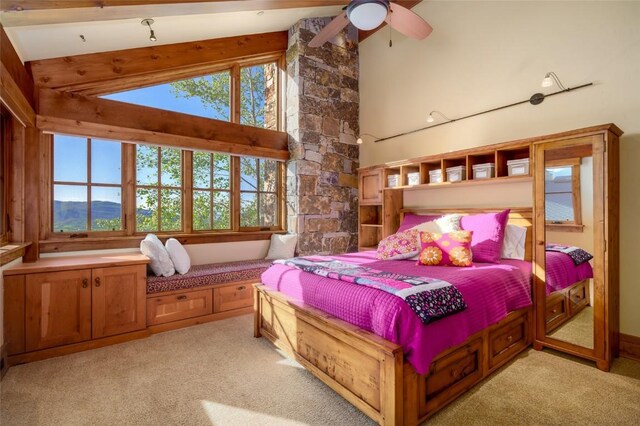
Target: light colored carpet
(578, 330)
(218, 374)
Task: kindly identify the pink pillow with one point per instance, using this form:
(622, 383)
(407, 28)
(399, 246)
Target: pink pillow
(410, 220)
(488, 234)
(452, 249)
(401, 245)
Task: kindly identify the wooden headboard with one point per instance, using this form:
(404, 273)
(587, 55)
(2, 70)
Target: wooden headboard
(521, 216)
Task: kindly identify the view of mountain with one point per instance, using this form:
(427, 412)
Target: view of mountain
(71, 216)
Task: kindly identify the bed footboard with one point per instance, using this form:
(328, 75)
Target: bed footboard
(363, 368)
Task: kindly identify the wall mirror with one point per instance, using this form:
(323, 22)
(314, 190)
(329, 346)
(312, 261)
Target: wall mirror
(574, 220)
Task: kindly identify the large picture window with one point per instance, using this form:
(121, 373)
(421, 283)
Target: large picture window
(211, 191)
(259, 179)
(87, 185)
(158, 189)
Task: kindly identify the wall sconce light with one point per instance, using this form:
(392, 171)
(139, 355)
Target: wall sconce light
(148, 22)
(549, 78)
(536, 99)
(360, 141)
(430, 118)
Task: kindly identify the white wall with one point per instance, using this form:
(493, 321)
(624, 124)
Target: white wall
(486, 54)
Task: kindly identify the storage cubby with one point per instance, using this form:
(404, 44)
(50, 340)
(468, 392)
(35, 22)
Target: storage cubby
(505, 155)
(406, 170)
(392, 171)
(480, 158)
(452, 162)
(426, 167)
(371, 215)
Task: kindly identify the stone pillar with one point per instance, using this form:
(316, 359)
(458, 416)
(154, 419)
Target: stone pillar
(322, 122)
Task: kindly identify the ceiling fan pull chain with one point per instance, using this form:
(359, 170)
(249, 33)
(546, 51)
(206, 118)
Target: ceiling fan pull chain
(390, 30)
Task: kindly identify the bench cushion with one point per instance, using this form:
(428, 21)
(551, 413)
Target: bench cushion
(214, 273)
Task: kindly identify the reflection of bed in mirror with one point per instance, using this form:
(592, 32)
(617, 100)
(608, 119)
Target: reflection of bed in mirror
(568, 289)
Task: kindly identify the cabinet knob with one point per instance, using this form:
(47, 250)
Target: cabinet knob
(97, 281)
(85, 283)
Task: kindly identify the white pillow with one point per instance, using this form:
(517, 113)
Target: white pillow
(179, 256)
(513, 246)
(161, 264)
(442, 225)
(283, 246)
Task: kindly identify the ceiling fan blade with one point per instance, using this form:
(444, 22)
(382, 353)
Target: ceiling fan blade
(330, 30)
(407, 22)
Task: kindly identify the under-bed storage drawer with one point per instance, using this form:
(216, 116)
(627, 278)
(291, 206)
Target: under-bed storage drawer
(451, 375)
(579, 296)
(507, 340)
(556, 311)
(179, 306)
(232, 297)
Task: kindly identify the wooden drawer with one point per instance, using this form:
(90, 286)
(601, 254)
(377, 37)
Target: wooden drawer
(578, 297)
(556, 311)
(507, 340)
(232, 297)
(450, 376)
(175, 307)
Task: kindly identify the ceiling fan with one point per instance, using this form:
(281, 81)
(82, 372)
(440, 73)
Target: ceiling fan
(369, 14)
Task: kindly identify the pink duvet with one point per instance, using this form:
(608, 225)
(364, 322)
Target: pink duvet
(491, 291)
(562, 272)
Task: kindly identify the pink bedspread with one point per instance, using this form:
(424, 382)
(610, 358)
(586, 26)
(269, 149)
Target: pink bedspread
(562, 272)
(491, 291)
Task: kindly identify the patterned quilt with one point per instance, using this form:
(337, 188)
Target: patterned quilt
(430, 299)
(576, 254)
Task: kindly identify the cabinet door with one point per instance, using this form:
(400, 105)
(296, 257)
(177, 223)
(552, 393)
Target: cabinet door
(371, 187)
(58, 308)
(119, 304)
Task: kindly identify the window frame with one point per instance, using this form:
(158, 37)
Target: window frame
(88, 233)
(277, 192)
(212, 190)
(576, 224)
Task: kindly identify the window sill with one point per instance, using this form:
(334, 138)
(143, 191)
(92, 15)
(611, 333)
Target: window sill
(58, 245)
(11, 252)
(564, 227)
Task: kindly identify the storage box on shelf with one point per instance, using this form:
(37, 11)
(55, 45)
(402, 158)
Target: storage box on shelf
(456, 174)
(506, 155)
(484, 171)
(392, 177)
(518, 167)
(410, 174)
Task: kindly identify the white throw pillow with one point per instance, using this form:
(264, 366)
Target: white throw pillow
(442, 225)
(513, 246)
(161, 263)
(179, 256)
(283, 246)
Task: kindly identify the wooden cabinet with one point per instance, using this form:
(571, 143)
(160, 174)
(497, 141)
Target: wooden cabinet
(58, 308)
(174, 307)
(119, 298)
(370, 186)
(61, 301)
(232, 297)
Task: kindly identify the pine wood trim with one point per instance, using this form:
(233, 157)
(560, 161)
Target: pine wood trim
(15, 68)
(61, 112)
(14, 98)
(93, 72)
(630, 346)
(80, 244)
(68, 263)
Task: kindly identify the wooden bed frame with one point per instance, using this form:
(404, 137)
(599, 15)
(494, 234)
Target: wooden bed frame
(370, 372)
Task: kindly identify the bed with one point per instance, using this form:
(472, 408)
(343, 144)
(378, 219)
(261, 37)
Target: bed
(567, 288)
(370, 351)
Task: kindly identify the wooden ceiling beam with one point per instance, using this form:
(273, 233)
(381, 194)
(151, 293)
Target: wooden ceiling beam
(86, 72)
(26, 5)
(70, 113)
(16, 86)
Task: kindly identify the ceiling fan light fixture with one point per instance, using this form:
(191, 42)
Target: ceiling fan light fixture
(367, 14)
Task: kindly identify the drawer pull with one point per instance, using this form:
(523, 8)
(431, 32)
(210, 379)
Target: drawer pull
(97, 281)
(242, 287)
(555, 311)
(510, 339)
(182, 297)
(85, 283)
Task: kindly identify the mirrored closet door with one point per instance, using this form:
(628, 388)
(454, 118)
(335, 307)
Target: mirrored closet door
(576, 278)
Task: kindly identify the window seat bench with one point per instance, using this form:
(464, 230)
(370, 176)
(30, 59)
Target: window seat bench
(205, 293)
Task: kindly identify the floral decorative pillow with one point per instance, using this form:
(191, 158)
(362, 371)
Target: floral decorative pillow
(451, 249)
(447, 223)
(401, 245)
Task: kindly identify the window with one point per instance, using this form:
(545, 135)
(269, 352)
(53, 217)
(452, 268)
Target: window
(259, 180)
(259, 96)
(256, 103)
(562, 193)
(158, 189)
(211, 191)
(87, 185)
